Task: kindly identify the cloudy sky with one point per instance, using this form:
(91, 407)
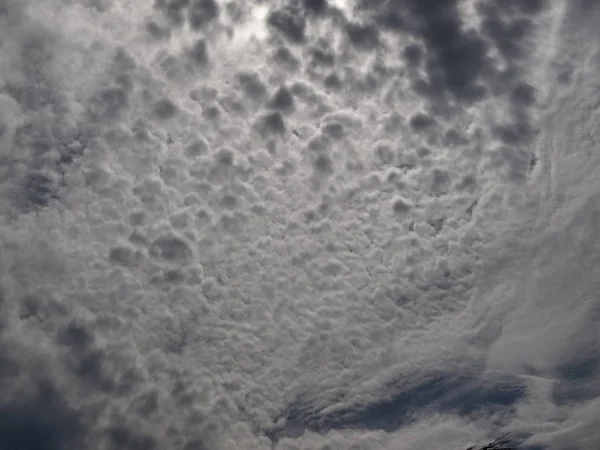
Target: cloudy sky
(299, 224)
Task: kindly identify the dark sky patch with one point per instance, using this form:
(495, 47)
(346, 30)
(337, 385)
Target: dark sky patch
(447, 394)
(579, 379)
(41, 421)
(413, 55)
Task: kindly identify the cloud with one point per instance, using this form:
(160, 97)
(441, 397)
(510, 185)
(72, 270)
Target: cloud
(300, 225)
(289, 21)
(202, 12)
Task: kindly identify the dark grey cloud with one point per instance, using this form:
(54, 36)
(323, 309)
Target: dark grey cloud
(282, 99)
(452, 62)
(363, 36)
(199, 52)
(440, 181)
(203, 12)
(40, 189)
(87, 361)
(421, 122)
(509, 24)
(456, 57)
(157, 30)
(517, 132)
(384, 153)
(332, 81)
(333, 129)
(271, 123)
(173, 10)
(323, 164)
(43, 142)
(198, 147)
(316, 6)
(290, 21)
(401, 206)
(252, 85)
(36, 89)
(523, 95)
(321, 56)
(164, 108)
(285, 59)
(109, 104)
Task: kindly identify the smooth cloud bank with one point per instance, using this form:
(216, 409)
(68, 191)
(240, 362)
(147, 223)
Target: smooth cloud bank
(298, 224)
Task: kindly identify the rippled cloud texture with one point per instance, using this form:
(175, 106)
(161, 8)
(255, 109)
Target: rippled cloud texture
(362, 224)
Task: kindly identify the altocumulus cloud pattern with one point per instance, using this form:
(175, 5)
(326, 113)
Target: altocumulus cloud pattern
(299, 224)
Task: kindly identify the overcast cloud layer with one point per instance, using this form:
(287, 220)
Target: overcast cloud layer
(366, 224)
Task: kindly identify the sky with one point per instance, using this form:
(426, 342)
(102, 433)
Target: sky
(299, 224)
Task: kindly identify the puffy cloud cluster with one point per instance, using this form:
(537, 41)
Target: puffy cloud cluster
(301, 224)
